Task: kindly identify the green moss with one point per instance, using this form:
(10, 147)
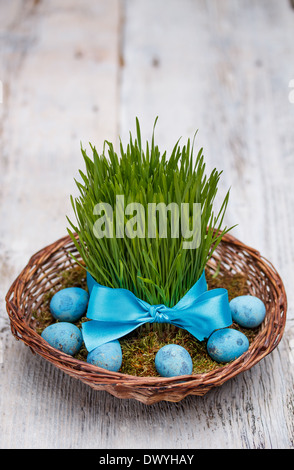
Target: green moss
(139, 347)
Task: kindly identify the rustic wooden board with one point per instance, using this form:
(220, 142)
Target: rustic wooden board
(81, 71)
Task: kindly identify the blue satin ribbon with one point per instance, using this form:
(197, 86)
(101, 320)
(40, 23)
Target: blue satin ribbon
(116, 312)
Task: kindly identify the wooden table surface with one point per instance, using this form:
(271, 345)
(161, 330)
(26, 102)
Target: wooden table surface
(81, 71)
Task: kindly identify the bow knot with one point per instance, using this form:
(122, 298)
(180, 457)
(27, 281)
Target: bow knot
(157, 312)
(117, 312)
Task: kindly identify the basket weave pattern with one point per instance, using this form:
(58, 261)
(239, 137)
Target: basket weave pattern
(42, 273)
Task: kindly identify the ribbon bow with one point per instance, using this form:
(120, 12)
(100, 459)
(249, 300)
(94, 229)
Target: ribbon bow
(115, 312)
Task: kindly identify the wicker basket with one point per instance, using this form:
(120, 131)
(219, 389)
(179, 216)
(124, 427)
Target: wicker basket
(42, 274)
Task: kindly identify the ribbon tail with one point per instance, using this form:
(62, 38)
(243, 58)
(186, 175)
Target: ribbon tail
(95, 333)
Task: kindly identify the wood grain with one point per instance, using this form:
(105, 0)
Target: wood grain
(81, 71)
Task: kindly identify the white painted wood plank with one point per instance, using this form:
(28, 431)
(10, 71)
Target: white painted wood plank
(222, 67)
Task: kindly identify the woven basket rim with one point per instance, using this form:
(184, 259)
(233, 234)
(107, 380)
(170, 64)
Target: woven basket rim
(264, 343)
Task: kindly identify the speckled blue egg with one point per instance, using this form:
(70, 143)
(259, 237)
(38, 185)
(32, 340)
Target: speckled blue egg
(248, 311)
(64, 336)
(69, 304)
(227, 344)
(172, 360)
(108, 356)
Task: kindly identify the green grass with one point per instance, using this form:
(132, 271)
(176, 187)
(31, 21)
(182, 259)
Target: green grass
(158, 270)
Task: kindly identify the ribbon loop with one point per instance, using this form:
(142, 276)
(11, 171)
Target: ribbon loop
(116, 312)
(158, 314)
